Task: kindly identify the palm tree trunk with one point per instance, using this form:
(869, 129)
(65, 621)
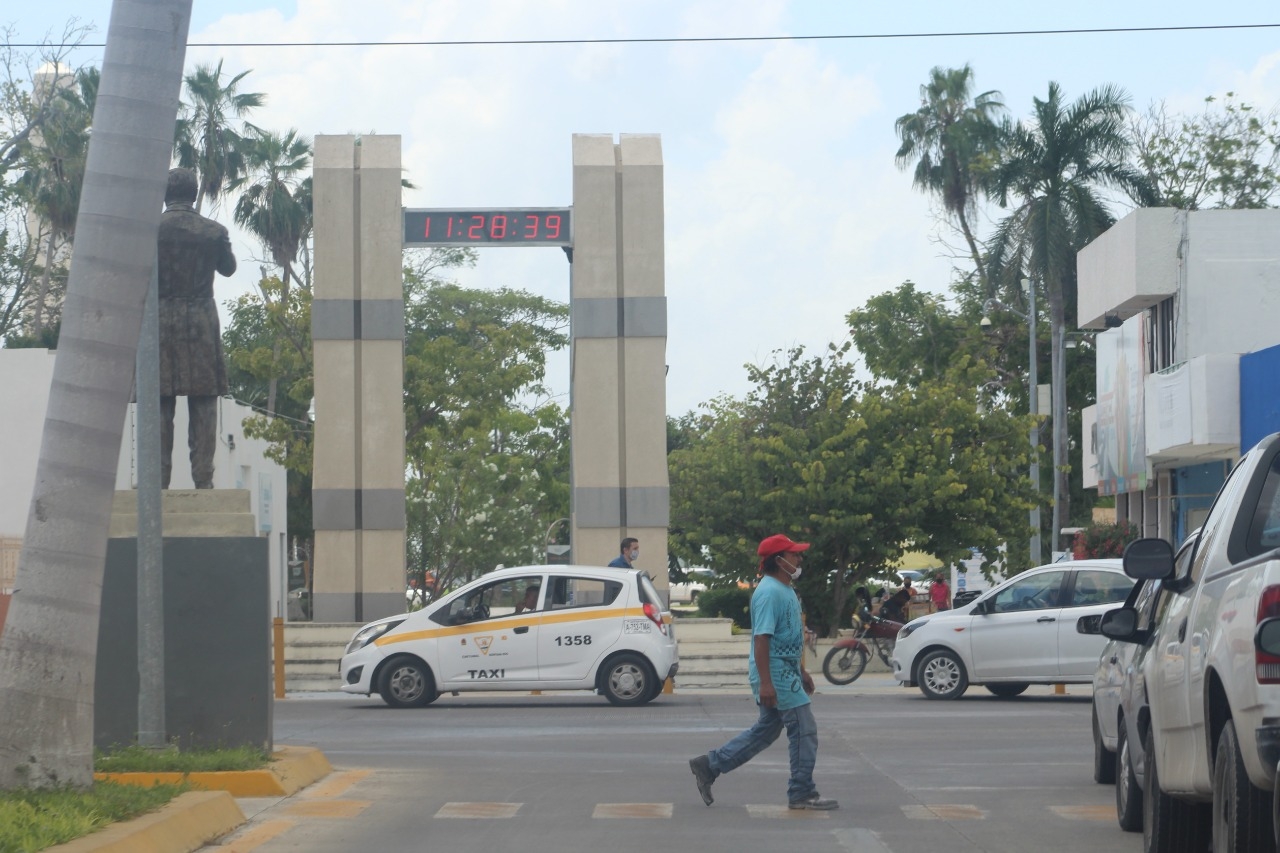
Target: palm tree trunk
(48, 652)
(1058, 378)
(973, 250)
(37, 315)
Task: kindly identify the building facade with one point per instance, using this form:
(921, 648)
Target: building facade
(1188, 357)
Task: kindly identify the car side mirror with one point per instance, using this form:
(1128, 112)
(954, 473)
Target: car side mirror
(1267, 636)
(1089, 624)
(1121, 624)
(1149, 559)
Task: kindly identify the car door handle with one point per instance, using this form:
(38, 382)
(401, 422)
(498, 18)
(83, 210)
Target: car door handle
(522, 629)
(1047, 619)
(1182, 631)
(1113, 660)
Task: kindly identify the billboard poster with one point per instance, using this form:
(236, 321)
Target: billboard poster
(1121, 433)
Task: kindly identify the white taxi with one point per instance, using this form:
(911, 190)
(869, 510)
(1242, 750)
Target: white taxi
(524, 628)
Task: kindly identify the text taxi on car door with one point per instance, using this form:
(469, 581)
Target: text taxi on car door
(527, 628)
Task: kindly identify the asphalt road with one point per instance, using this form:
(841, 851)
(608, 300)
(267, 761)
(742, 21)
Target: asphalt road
(569, 772)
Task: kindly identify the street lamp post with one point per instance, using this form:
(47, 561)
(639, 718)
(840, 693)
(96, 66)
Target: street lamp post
(1033, 396)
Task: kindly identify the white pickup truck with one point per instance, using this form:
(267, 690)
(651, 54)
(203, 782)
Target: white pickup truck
(1213, 671)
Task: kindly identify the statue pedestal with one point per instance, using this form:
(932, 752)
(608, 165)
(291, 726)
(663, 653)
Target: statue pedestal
(217, 624)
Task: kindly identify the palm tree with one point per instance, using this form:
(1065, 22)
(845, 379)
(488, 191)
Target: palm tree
(275, 206)
(1051, 175)
(53, 176)
(948, 138)
(205, 140)
(49, 646)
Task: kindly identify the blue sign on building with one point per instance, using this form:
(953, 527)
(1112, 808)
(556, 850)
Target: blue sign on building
(1259, 397)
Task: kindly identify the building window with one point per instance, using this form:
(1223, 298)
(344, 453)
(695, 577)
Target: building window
(1162, 335)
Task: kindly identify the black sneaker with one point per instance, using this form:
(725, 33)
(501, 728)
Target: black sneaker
(814, 802)
(703, 775)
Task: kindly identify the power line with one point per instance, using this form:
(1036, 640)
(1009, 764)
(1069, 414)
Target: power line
(711, 39)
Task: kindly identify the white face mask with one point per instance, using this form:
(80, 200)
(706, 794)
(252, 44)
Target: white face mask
(635, 554)
(795, 576)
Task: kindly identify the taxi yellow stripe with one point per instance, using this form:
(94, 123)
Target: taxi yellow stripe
(508, 622)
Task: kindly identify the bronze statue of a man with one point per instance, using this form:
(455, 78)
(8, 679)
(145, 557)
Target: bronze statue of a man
(191, 248)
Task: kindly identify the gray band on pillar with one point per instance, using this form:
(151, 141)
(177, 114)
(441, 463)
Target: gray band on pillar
(357, 509)
(637, 506)
(333, 320)
(597, 506)
(639, 316)
(382, 509)
(644, 317)
(648, 506)
(363, 319)
(382, 319)
(333, 509)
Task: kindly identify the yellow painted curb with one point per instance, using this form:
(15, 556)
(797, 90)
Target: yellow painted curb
(292, 768)
(186, 823)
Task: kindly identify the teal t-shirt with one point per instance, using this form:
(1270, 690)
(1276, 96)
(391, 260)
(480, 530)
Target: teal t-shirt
(775, 610)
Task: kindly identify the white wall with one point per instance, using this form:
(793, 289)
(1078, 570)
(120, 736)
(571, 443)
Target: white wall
(1232, 295)
(239, 462)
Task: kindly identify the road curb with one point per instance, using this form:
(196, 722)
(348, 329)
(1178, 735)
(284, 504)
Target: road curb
(187, 823)
(292, 768)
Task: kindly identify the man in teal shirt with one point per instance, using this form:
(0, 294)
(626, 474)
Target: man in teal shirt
(778, 680)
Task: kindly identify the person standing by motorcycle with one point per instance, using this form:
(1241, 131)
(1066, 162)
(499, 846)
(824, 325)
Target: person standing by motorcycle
(940, 593)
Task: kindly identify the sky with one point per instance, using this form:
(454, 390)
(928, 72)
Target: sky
(784, 207)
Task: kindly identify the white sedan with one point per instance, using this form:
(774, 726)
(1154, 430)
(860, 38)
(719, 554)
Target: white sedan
(1022, 632)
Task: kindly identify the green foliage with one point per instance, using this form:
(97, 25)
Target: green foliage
(1104, 540)
(35, 819)
(727, 603)
(208, 139)
(1228, 156)
(487, 449)
(139, 759)
(862, 473)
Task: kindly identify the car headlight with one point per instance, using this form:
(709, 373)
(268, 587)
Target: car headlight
(911, 627)
(369, 633)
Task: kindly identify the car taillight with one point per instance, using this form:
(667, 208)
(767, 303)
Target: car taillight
(1267, 665)
(655, 616)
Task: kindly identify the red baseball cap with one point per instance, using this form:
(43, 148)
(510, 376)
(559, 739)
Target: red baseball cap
(779, 544)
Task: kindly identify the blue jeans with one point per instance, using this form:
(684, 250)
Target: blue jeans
(802, 743)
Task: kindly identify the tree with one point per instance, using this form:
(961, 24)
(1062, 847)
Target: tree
(53, 162)
(1226, 157)
(863, 473)
(1051, 175)
(948, 138)
(275, 206)
(487, 450)
(207, 141)
(49, 645)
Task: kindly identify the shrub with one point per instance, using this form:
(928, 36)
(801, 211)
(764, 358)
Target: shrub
(731, 603)
(1104, 540)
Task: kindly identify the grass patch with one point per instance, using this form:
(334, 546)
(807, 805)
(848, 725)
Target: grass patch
(32, 820)
(138, 759)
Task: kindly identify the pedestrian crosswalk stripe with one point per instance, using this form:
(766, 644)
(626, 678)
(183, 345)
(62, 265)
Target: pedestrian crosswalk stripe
(1100, 813)
(944, 812)
(479, 810)
(784, 812)
(611, 810)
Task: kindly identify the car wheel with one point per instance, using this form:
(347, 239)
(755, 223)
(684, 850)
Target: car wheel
(1170, 825)
(406, 682)
(1241, 811)
(941, 675)
(627, 680)
(1128, 793)
(1007, 691)
(1104, 760)
(843, 664)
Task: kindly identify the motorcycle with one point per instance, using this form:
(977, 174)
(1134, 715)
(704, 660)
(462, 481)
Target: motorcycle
(849, 656)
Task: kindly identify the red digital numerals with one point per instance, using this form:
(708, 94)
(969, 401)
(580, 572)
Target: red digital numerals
(495, 228)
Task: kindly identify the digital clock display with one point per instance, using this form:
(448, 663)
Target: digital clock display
(520, 226)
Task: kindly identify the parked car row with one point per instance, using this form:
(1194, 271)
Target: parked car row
(1187, 692)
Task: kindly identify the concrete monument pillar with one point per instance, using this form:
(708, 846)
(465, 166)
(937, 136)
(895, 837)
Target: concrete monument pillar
(618, 331)
(357, 329)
